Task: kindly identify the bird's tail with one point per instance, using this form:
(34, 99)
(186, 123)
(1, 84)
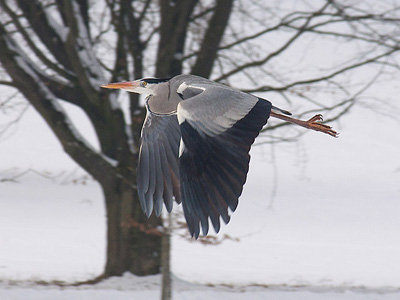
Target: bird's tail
(285, 112)
(282, 110)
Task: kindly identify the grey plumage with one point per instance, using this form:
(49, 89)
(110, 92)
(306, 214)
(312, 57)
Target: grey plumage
(158, 172)
(195, 145)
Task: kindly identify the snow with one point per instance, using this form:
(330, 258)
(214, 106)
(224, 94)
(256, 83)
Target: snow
(318, 219)
(59, 29)
(86, 54)
(129, 287)
(133, 287)
(327, 230)
(25, 63)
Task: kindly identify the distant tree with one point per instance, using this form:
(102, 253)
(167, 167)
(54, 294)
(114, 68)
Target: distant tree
(55, 51)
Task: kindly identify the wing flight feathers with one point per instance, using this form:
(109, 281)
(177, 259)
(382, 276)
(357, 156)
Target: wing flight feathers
(215, 160)
(199, 156)
(157, 170)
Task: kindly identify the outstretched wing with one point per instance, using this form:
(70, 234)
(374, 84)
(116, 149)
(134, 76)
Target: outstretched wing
(218, 127)
(158, 171)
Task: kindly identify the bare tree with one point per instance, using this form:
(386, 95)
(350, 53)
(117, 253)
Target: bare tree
(55, 51)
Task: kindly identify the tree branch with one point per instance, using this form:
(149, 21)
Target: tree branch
(79, 51)
(212, 38)
(39, 53)
(333, 74)
(52, 37)
(301, 30)
(42, 99)
(175, 16)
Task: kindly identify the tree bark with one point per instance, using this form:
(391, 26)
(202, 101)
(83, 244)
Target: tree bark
(130, 234)
(49, 60)
(175, 16)
(133, 242)
(212, 38)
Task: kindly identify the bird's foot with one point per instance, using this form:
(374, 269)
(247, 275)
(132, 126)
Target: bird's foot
(315, 124)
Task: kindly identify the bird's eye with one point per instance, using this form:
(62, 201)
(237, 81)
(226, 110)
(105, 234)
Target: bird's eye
(143, 84)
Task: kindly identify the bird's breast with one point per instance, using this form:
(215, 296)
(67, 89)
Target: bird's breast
(163, 103)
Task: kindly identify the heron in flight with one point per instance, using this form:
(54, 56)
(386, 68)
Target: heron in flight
(195, 145)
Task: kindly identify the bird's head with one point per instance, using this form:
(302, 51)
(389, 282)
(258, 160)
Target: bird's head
(145, 86)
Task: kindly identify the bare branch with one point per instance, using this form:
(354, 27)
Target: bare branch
(6, 128)
(301, 30)
(175, 17)
(51, 36)
(8, 83)
(25, 78)
(212, 38)
(39, 53)
(322, 78)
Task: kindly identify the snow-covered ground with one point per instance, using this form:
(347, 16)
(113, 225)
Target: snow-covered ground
(318, 219)
(132, 287)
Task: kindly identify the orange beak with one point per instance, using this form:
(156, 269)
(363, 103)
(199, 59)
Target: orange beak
(121, 85)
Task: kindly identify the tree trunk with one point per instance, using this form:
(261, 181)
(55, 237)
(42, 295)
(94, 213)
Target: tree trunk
(130, 234)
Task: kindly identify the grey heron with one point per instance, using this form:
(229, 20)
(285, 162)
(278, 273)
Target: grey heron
(195, 145)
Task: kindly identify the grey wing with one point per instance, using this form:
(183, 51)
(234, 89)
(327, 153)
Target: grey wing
(218, 128)
(158, 171)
